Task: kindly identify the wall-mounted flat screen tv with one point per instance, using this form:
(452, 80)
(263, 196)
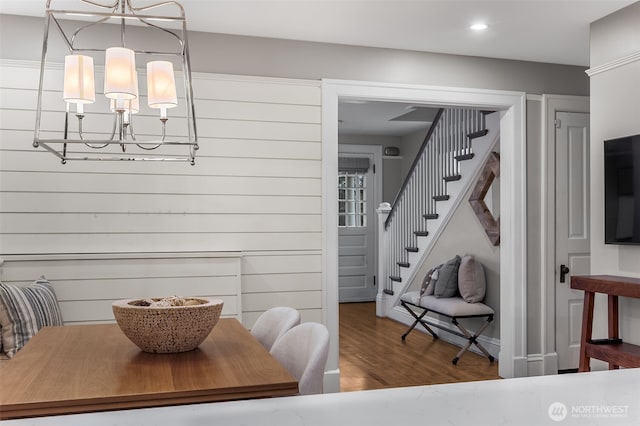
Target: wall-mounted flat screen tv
(622, 190)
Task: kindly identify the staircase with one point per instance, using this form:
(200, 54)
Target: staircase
(449, 161)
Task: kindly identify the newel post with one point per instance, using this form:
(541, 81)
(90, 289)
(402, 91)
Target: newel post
(383, 211)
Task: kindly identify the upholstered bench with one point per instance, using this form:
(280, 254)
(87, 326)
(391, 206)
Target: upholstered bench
(453, 308)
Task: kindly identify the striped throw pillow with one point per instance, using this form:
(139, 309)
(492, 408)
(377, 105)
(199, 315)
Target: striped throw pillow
(24, 311)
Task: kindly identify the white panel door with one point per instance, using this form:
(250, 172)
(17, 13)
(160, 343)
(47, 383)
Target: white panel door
(356, 233)
(572, 231)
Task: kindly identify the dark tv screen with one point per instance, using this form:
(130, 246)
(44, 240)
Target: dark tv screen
(622, 190)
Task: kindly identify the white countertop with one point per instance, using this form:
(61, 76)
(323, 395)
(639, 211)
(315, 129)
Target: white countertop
(596, 398)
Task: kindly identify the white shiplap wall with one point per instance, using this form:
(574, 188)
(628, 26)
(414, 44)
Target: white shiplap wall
(256, 187)
(86, 285)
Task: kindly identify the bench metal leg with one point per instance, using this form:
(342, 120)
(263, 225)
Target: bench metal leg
(471, 339)
(418, 319)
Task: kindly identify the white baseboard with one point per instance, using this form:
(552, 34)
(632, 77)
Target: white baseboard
(550, 363)
(535, 365)
(331, 381)
(520, 367)
(542, 364)
(381, 305)
(492, 345)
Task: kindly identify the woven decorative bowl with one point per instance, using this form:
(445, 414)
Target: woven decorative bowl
(167, 329)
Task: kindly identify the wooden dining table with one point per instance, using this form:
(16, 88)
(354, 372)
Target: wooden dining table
(85, 368)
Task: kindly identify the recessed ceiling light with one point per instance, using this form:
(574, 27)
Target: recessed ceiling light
(479, 27)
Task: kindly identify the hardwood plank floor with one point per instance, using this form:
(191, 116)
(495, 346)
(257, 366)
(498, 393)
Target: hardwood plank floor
(373, 356)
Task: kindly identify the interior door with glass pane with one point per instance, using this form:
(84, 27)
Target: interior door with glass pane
(356, 230)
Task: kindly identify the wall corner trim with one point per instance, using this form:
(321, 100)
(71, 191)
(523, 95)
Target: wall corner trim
(616, 63)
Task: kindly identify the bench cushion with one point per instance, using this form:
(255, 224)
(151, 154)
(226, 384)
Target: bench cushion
(452, 306)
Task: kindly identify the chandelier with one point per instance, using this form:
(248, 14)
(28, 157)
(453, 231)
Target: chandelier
(105, 42)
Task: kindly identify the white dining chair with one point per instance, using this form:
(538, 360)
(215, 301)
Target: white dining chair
(273, 323)
(303, 351)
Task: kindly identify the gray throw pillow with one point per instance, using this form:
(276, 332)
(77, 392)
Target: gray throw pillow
(471, 280)
(429, 282)
(447, 283)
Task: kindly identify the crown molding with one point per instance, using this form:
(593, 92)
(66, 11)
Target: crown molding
(616, 63)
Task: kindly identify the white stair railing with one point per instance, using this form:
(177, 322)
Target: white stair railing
(448, 142)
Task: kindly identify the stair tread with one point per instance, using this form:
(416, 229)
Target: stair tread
(395, 278)
(452, 178)
(478, 134)
(463, 157)
(430, 216)
(441, 197)
(411, 249)
(420, 233)
(404, 264)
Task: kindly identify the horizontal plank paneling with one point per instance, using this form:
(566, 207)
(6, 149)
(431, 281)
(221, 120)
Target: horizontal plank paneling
(23, 181)
(26, 99)
(258, 111)
(43, 161)
(205, 86)
(86, 285)
(281, 282)
(26, 77)
(264, 264)
(131, 288)
(256, 188)
(256, 90)
(16, 202)
(122, 268)
(18, 223)
(21, 140)
(298, 300)
(207, 127)
(92, 243)
(264, 149)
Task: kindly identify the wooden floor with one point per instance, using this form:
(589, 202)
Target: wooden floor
(373, 356)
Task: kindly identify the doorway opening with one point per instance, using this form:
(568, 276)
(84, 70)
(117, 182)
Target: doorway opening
(400, 129)
(513, 362)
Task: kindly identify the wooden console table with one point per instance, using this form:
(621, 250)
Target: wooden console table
(612, 349)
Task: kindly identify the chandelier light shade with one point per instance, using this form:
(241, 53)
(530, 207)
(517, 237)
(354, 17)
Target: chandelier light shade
(120, 81)
(161, 86)
(104, 46)
(79, 83)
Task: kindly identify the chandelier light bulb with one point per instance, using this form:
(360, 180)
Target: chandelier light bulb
(131, 106)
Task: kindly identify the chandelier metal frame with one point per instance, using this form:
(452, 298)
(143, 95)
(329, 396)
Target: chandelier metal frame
(122, 144)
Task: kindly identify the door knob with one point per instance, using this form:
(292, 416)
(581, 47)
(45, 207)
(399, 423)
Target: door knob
(563, 272)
